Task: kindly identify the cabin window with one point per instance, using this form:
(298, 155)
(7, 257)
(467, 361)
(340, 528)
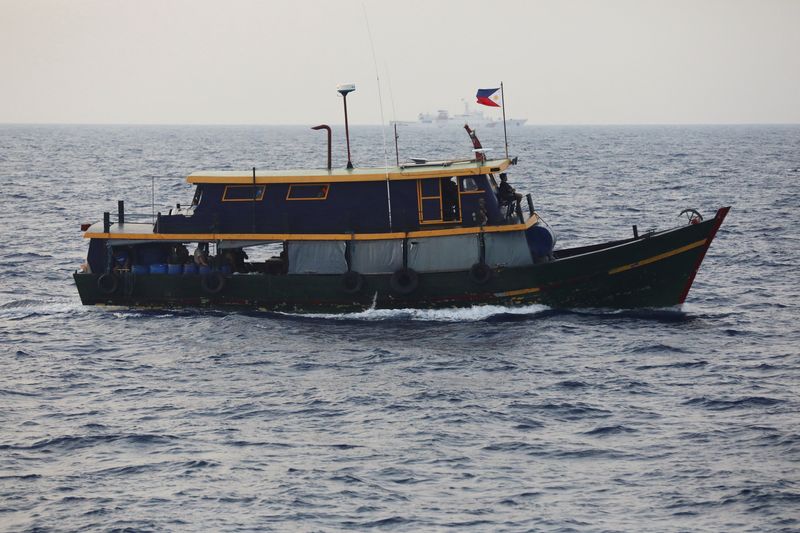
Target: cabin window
(451, 206)
(198, 195)
(430, 200)
(469, 185)
(243, 193)
(308, 192)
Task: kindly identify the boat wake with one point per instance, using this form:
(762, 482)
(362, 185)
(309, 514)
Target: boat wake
(477, 313)
(456, 314)
(497, 313)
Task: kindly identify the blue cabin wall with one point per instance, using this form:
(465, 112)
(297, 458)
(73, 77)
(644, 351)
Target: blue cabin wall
(359, 207)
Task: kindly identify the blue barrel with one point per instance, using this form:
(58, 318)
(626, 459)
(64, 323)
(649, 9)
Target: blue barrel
(541, 239)
(174, 269)
(190, 268)
(225, 269)
(203, 269)
(140, 269)
(158, 268)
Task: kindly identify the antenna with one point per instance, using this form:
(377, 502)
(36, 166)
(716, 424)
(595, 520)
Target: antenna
(394, 115)
(383, 125)
(343, 89)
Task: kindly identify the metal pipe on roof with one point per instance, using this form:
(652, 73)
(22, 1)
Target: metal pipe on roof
(328, 128)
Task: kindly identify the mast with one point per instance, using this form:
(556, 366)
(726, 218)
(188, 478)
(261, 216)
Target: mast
(505, 133)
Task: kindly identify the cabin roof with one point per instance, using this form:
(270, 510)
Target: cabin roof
(409, 171)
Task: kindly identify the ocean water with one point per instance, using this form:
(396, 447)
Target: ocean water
(482, 419)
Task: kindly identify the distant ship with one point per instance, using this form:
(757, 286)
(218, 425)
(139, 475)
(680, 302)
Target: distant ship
(469, 116)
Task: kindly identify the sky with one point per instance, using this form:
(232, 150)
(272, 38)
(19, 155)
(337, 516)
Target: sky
(271, 62)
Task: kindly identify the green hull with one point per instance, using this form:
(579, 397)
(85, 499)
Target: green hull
(655, 270)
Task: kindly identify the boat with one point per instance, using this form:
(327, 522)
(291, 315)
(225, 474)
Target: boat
(422, 234)
(473, 117)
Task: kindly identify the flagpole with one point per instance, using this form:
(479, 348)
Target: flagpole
(505, 133)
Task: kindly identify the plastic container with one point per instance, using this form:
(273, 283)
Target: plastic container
(158, 268)
(225, 269)
(203, 270)
(190, 268)
(541, 239)
(174, 269)
(140, 269)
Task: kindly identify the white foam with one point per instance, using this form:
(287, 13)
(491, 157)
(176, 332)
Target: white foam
(456, 314)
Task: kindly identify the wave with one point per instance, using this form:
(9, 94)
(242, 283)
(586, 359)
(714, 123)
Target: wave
(27, 308)
(605, 431)
(724, 405)
(681, 364)
(73, 442)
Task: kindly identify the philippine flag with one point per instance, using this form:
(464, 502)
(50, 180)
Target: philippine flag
(489, 97)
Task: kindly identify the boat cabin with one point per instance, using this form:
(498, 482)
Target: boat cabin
(426, 216)
(403, 198)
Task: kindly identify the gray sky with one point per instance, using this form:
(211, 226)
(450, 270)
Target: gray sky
(270, 62)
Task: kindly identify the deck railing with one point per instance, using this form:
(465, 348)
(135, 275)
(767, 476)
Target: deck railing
(122, 217)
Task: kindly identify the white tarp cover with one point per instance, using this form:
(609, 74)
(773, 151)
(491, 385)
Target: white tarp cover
(317, 257)
(432, 254)
(509, 249)
(376, 257)
(438, 254)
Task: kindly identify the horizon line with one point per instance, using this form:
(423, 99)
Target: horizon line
(412, 124)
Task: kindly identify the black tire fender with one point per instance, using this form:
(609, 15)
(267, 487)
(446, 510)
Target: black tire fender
(108, 283)
(352, 282)
(213, 283)
(480, 273)
(404, 281)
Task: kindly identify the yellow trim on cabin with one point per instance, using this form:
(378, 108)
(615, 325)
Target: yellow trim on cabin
(203, 237)
(658, 257)
(354, 175)
(258, 198)
(326, 186)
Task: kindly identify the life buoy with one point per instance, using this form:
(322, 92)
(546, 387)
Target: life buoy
(404, 281)
(352, 282)
(213, 283)
(480, 273)
(108, 283)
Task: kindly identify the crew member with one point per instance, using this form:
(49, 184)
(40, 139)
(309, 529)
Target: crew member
(506, 193)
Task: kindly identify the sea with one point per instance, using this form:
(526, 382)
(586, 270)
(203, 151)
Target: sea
(479, 419)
